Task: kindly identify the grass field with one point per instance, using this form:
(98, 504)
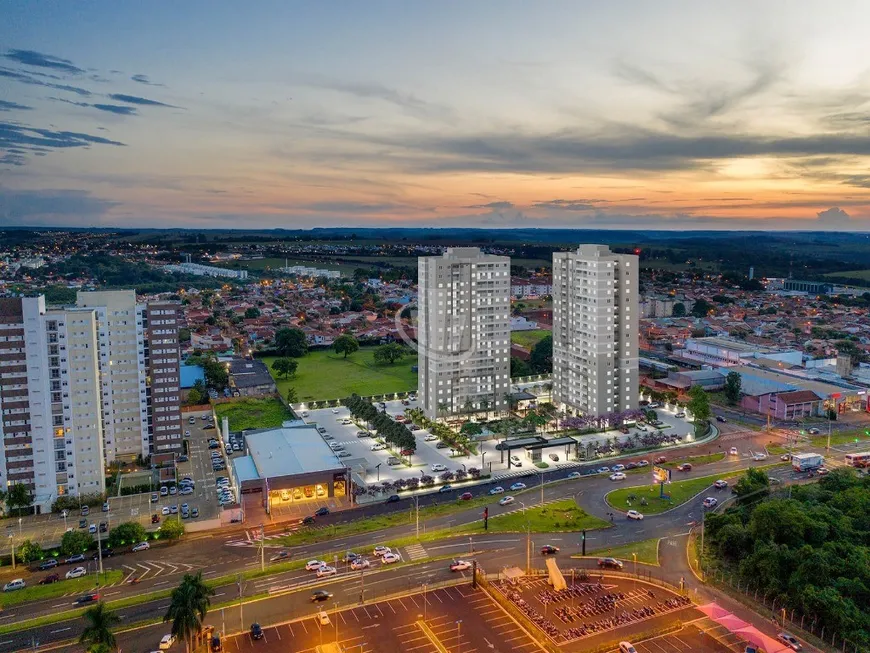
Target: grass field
(250, 413)
(323, 374)
(647, 552)
(862, 275)
(680, 492)
(529, 339)
(61, 588)
(697, 460)
(556, 517)
(840, 437)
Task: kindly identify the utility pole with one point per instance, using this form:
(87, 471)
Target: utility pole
(828, 446)
(701, 552)
(362, 586)
(100, 550)
(417, 511)
(528, 550)
(542, 488)
(241, 608)
(262, 547)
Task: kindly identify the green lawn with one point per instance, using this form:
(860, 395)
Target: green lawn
(839, 437)
(556, 517)
(251, 413)
(697, 460)
(323, 374)
(529, 339)
(647, 552)
(680, 492)
(72, 586)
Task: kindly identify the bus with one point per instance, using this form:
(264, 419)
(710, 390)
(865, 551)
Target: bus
(858, 459)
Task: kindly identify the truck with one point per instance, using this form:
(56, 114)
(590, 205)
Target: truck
(805, 462)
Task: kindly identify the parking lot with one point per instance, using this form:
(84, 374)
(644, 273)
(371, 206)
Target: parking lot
(488, 458)
(595, 610)
(457, 618)
(688, 639)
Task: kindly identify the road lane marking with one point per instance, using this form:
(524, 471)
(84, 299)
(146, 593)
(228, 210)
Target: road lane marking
(60, 630)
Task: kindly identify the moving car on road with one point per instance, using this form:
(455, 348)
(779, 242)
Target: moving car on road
(466, 496)
(618, 476)
(634, 514)
(167, 640)
(575, 475)
(460, 565)
(320, 595)
(609, 563)
(710, 502)
(498, 489)
(314, 565)
(720, 484)
(549, 549)
(506, 501)
(684, 467)
(518, 486)
(733, 451)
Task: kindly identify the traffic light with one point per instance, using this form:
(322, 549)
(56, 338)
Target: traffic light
(583, 542)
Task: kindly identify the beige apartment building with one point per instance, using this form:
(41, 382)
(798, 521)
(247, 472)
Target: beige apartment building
(595, 330)
(463, 332)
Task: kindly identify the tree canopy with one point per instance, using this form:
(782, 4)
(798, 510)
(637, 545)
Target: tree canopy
(732, 387)
(291, 342)
(541, 357)
(390, 353)
(345, 344)
(699, 403)
(285, 367)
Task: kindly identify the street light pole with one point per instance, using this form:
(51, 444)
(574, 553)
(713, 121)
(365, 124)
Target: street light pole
(542, 488)
(262, 547)
(417, 512)
(241, 605)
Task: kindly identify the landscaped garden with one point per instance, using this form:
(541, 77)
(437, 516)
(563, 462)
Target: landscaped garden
(252, 413)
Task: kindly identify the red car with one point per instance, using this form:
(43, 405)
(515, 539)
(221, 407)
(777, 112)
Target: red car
(465, 496)
(660, 460)
(407, 452)
(549, 549)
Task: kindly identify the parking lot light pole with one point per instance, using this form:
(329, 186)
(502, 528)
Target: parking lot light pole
(417, 511)
(458, 635)
(634, 555)
(542, 488)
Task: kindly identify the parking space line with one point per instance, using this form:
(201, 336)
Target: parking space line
(378, 606)
(411, 596)
(278, 633)
(292, 634)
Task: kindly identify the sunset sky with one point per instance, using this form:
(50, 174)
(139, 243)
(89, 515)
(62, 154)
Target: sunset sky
(213, 114)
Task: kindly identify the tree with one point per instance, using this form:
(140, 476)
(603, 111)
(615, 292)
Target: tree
(216, 374)
(74, 542)
(252, 313)
(699, 404)
(194, 397)
(752, 486)
(129, 532)
(471, 429)
(732, 387)
(172, 529)
(519, 367)
(292, 395)
(345, 344)
(28, 551)
(291, 342)
(188, 606)
(99, 621)
(701, 308)
(389, 353)
(541, 358)
(679, 310)
(285, 367)
(19, 496)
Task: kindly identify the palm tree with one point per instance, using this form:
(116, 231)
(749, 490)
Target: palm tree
(98, 631)
(188, 606)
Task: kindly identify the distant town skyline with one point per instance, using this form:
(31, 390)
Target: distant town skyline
(469, 114)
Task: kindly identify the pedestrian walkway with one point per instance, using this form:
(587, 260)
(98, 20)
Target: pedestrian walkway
(416, 552)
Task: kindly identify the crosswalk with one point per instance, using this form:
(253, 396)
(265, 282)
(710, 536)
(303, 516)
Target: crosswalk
(416, 552)
(152, 569)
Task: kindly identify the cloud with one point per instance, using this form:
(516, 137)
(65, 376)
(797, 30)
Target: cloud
(568, 205)
(40, 60)
(349, 207)
(17, 138)
(134, 99)
(30, 79)
(9, 106)
(834, 215)
(108, 108)
(374, 91)
(143, 79)
(491, 205)
(51, 207)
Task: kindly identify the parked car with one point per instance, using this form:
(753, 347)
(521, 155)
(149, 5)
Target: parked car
(618, 476)
(12, 585)
(168, 640)
(78, 557)
(660, 460)
(256, 631)
(390, 558)
(445, 488)
(617, 468)
(643, 463)
(142, 546)
(307, 521)
(466, 496)
(51, 578)
(498, 489)
(326, 570)
(381, 550)
(438, 467)
(76, 572)
(626, 647)
(360, 563)
(518, 486)
(51, 563)
(681, 414)
(314, 565)
(719, 418)
(322, 512)
(393, 498)
(575, 475)
(789, 640)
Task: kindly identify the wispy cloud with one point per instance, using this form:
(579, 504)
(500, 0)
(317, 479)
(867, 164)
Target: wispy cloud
(29, 79)
(15, 139)
(569, 205)
(9, 106)
(495, 206)
(135, 99)
(374, 91)
(143, 79)
(40, 60)
(117, 109)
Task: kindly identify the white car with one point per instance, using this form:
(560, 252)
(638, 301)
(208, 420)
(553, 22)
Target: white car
(382, 550)
(634, 514)
(618, 468)
(460, 565)
(438, 467)
(430, 438)
(626, 647)
(142, 546)
(759, 456)
(506, 501)
(709, 502)
(165, 510)
(389, 558)
(681, 415)
(733, 451)
(378, 446)
(326, 570)
(618, 476)
(323, 618)
(720, 484)
(314, 565)
(518, 486)
(575, 475)
(78, 572)
(516, 460)
(167, 641)
(498, 489)
(335, 411)
(360, 563)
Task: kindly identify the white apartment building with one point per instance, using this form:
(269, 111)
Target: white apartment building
(463, 332)
(139, 362)
(206, 270)
(51, 423)
(595, 330)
